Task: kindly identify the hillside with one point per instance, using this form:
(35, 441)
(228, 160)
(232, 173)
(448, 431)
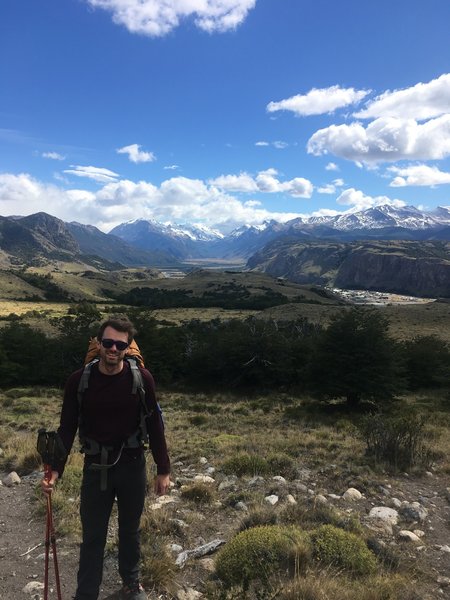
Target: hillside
(404, 267)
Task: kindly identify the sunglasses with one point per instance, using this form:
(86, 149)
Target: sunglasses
(108, 343)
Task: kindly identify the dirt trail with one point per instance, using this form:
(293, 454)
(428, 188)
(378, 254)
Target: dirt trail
(22, 549)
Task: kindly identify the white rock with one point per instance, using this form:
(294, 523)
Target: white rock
(444, 581)
(279, 479)
(272, 499)
(444, 549)
(334, 497)
(352, 494)
(227, 483)
(408, 536)
(320, 499)
(413, 511)
(211, 470)
(419, 532)
(255, 480)
(396, 503)
(175, 548)
(32, 587)
(11, 479)
(290, 499)
(203, 479)
(203, 460)
(383, 513)
(241, 506)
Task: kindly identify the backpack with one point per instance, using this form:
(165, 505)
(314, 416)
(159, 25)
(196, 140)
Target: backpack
(137, 439)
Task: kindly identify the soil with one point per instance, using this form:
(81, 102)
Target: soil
(22, 535)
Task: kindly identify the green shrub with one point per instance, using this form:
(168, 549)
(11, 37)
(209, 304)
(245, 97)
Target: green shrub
(319, 514)
(257, 517)
(282, 464)
(200, 493)
(257, 553)
(343, 549)
(398, 441)
(246, 464)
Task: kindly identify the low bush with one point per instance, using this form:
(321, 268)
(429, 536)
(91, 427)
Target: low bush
(342, 549)
(200, 493)
(257, 553)
(319, 514)
(246, 464)
(398, 441)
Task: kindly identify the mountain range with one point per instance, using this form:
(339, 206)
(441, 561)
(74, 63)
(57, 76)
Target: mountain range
(387, 248)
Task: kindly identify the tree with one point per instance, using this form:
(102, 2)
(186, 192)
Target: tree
(355, 358)
(427, 360)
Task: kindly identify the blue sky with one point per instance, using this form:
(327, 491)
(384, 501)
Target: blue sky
(222, 112)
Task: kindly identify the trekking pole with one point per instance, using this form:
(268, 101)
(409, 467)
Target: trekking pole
(51, 449)
(50, 539)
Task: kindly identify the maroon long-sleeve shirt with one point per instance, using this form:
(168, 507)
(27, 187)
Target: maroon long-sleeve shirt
(110, 414)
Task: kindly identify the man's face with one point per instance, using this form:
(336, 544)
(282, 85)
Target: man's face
(112, 356)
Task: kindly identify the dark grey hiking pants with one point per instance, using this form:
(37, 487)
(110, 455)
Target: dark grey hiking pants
(127, 482)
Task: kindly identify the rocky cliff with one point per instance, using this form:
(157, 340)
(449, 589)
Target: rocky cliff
(420, 269)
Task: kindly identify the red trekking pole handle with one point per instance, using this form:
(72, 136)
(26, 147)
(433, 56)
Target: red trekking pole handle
(50, 539)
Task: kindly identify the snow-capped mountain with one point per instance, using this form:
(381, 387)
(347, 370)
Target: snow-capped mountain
(198, 241)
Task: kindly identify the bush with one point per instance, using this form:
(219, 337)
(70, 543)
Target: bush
(257, 553)
(398, 441)
(201, 493)
(320, 514)
(246, 464)
(342, 549)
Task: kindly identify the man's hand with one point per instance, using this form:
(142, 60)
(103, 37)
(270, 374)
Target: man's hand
(162, 483)
(47, 484)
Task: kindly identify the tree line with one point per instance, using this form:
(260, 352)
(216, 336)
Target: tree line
(353, 358)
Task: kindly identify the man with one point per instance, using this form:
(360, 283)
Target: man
(108, 415)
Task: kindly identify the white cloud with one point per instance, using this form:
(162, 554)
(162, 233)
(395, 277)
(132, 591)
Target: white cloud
(178, 199)
(135, 154)
(265, 182)
(422, 101)
(262, 143)
(235, 183)
(331, 166)
(279, 145)
(385, 139)
(53, 156)
(418, 175)
(171, 167)
(319, 101)
(330, 188)
(96, 173)
(357, 200)
(158, 17)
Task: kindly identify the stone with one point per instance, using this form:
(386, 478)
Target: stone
(241, 506)
(413, 511)
(204, 479)
(11, 479)
(272, 499)
(32, 587)
(352, 494)
(290, 499)
(203, 461)
(227, 483)
(443, 581)
(255, 480)
(175, 548)
(383, 513)
(408, 536)
(279, 479)
(396, 503)
(202, 550)
(320, 499)
(299, 486)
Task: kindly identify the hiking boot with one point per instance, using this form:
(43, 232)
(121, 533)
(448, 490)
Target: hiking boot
(133, 591)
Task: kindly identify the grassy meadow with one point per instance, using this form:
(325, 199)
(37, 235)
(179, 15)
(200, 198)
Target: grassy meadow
(308, 550)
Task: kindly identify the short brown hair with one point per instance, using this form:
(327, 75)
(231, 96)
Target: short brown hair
(122, 324)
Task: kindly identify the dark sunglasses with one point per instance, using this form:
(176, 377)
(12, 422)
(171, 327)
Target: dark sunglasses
(108, 343)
